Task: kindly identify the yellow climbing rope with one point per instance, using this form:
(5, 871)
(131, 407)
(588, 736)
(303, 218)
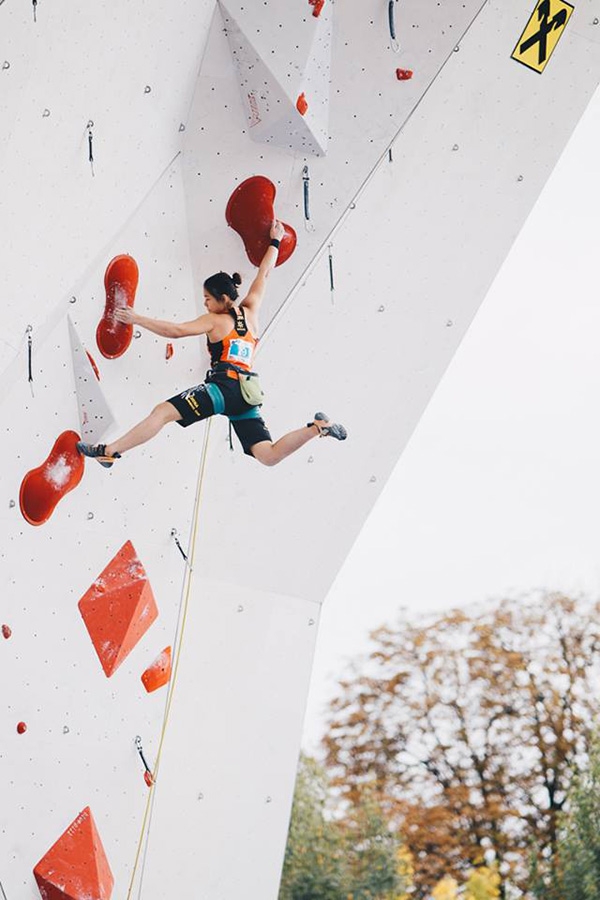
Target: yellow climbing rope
(187, 583)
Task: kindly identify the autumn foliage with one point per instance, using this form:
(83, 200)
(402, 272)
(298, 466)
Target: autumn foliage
(469, 728)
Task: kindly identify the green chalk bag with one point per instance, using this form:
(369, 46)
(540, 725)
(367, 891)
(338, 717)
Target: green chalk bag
(251, 389)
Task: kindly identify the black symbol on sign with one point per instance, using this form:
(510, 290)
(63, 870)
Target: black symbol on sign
(547, 25)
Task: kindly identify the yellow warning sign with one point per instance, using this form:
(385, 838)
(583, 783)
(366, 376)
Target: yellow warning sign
(542, 33)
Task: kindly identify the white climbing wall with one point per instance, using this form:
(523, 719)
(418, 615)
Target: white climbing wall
(416, 239)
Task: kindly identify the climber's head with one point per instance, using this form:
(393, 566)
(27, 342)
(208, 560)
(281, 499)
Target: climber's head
(220, 291)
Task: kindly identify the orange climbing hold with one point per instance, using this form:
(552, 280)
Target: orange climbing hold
(404, 74)
(120, 282)
(42, 488)
(21, 728)
(250, 213)
(169, 351)
(317, 7)
(118, 608)
(93, 364)
(76, 867)
(158, 673)
(6, 631)
(301, 104)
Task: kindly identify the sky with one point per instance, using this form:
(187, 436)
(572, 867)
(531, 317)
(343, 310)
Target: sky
(498, 491)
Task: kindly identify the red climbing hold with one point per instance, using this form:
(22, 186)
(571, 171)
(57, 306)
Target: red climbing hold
(6, 632)
(301, 104)
(404, 74)
(169, 351)
(21, 728)
(76, 867)
(42, 488)
(118, 608)
(158, 673)
(93, 364)
(148, 778)
(250, 213)
(120, 282)
(317, 6)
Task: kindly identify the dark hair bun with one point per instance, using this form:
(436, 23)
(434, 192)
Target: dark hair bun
(236, 278)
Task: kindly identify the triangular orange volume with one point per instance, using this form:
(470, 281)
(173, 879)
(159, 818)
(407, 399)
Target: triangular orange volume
(118, 608)
(76, 867)
(158, 672)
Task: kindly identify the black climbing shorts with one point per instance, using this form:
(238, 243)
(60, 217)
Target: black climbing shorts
(201, 402)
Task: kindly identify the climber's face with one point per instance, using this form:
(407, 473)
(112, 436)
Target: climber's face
(216, 306)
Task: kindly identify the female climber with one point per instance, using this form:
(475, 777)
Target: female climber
(231, 336)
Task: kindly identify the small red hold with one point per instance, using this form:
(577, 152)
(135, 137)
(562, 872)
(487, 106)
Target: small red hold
(169, 351)
(158, 672)
(93, 364)
(301, 104)
(21, 728)
(148, 778)
(6, 632)
(404, 74)
(317, 7)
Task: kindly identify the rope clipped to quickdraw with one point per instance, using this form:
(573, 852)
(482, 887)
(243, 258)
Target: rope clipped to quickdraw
(174, 535)
(177, 644)
(331, 280)
(28, 332)
(392, 26)
(148, 776)
(90, 137)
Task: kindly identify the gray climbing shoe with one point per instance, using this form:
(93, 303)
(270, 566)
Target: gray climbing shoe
(329, 429)
(97, 452)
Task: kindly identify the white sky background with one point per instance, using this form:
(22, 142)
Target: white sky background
(498, 491)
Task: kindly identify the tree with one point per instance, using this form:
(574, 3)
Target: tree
(326, 858)
(573, 872)
(470, 727)
(314, 865)
(483, 884)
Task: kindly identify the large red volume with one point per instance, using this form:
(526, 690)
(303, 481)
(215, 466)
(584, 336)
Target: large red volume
(42, 488)
(120, 282)
(250, 213)
(158, 672)
(118, 608)
(76, 867)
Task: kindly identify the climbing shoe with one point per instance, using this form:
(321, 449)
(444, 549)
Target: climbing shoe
(97, 452)
(329, 429)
